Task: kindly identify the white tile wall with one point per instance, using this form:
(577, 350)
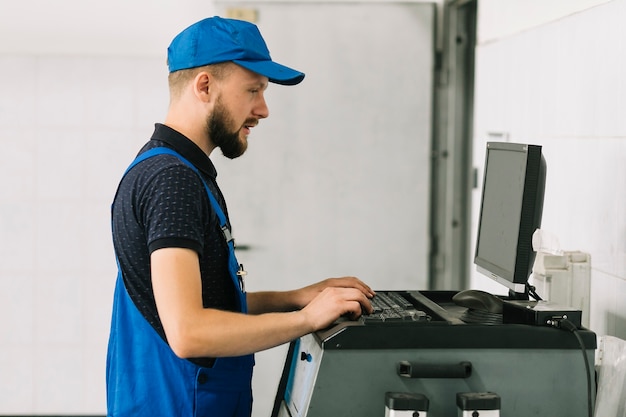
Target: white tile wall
(69, 126)
(561, 85)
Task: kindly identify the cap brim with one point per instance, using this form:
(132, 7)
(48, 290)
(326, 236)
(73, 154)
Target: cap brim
(276, 73)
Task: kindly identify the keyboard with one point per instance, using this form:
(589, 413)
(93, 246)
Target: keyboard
(391, 306)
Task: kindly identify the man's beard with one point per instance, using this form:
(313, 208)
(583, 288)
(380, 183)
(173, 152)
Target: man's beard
(218, 124)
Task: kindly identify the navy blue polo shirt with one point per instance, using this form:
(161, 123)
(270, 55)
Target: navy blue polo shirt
(162, 203)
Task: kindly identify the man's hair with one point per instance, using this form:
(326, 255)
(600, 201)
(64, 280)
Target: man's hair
(177, 80)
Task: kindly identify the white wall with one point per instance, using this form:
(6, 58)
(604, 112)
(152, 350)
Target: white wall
(80, 88)
(503, 18)
(68, 127)
(559, 82)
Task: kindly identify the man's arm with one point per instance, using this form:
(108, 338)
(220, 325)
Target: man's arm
(274, 301)
(195, 331)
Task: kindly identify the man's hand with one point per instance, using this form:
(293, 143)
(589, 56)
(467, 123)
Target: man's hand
(334, 298)
(305, 295)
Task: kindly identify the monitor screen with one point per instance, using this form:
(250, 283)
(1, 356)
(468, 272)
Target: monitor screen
(511, 209)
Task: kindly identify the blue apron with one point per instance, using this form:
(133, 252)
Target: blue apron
(146, 378)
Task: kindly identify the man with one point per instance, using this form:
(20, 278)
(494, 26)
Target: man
(184, 330)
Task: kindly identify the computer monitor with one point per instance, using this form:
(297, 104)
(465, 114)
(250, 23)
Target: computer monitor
(511, 209)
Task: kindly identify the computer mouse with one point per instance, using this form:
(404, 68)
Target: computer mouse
(478, 300)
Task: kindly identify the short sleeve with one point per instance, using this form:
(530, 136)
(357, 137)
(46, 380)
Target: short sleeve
(174, 209)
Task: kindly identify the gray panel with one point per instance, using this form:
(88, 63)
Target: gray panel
(529, 381)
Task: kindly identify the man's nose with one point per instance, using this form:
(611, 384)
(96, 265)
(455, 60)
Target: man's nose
(261, 110)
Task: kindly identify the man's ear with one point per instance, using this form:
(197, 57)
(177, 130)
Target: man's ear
(202, 85)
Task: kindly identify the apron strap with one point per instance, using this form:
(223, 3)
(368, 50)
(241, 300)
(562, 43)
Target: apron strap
(235, 269)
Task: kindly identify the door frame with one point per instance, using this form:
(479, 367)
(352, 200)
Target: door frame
(453, 177)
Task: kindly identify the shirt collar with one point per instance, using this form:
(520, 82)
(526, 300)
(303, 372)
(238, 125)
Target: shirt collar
(184, 146)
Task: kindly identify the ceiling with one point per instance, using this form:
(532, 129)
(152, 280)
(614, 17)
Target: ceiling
(87, 27)
(112, 27)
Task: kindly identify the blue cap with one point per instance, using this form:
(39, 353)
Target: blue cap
(215, 40)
